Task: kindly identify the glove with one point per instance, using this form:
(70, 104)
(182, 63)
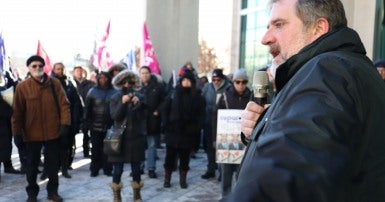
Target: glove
(18, 140)
(63, 134)
(64, 130)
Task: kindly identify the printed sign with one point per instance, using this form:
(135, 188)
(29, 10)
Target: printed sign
(229, 147)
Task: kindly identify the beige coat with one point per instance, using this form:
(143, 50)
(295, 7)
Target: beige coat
(35, 113)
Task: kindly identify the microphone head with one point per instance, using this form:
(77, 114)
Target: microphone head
(260, 84)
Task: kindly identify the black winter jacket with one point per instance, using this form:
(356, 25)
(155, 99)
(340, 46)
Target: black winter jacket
(97, 113)
(154, 94)
(75, 102)
(230, 99)
(322, 138)
(183, 115)
(134, 138)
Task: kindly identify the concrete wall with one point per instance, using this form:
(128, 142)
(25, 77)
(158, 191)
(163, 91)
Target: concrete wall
(361, 17)
(173, 30)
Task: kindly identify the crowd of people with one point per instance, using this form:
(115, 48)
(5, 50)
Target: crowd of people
(49, 110)
(320, 139)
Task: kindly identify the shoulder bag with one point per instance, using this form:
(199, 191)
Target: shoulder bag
(112, 143)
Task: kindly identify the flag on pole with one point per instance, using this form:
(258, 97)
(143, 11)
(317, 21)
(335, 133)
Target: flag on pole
(149, 58)
(129, 61)
(102, 58)
(4, 65)
(41, 52)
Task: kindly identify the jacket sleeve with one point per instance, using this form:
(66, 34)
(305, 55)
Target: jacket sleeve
(87, 114)
(18, 112)
(64, 104)
(117, 109)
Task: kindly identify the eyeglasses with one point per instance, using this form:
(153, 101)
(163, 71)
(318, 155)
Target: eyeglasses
(217, 80)
(243, 82)
(36, 66)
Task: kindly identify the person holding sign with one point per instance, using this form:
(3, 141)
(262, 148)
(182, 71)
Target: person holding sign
(235, 97)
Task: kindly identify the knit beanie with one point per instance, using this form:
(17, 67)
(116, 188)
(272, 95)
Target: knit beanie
(240, 74)
(35, 58)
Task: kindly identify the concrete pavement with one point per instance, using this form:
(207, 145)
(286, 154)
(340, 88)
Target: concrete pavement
(82, 187)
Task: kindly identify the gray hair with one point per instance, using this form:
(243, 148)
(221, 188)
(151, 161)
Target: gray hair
(309, 11)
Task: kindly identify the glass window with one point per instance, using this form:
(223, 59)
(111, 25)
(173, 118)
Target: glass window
(252, 54)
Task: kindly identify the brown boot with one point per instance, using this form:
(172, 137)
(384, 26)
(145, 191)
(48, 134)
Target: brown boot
(116, 190)
(182, 179)
(136, 189)
(167, 179)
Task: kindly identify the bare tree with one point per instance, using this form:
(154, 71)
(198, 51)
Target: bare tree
(207, 59)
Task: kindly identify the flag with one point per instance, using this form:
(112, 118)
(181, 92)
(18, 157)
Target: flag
(149, 58)
(129, 61)
(102, 58)
(4, 65)
(41, 52)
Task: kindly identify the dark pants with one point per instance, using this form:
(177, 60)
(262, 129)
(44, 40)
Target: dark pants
(67, 151)
(173, 153)
(98, 158)
(21, 148)
(118, 170)
(227, 172)
(51, 161)
(86, 143)
(210, 150)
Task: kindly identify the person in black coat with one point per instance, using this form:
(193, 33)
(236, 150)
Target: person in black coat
(98, 120)
(183, 117)
(68, 146)
(6, 133)
(322, 137)
(154, 93)
(235, 97)
(8, 84)
(127, 107)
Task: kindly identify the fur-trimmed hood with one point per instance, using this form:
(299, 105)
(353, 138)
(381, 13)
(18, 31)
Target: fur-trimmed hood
(117, 81)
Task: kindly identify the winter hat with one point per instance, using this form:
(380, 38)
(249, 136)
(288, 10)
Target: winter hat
(123, 76)
(35, 58)
(218, 73)
(115, 67)
(240, 74)
(379, 63)
(188, 75)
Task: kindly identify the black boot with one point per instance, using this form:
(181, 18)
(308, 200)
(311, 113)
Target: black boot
(167, 179)
(182, 179)
(64, 156)
(65, 173)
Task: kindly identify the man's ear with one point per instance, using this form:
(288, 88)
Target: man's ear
(321, 27)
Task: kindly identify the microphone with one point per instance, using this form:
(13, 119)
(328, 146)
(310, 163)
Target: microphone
(260, 87)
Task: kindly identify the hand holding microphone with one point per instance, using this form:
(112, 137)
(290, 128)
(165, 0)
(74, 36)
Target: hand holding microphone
(260, 87)
(255, 108)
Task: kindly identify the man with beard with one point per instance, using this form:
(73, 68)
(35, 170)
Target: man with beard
(41, 115)
(322, 137)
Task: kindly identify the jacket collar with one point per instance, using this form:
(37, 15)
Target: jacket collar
(341, 39)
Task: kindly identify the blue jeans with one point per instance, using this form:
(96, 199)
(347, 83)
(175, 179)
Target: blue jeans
(151, 152)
